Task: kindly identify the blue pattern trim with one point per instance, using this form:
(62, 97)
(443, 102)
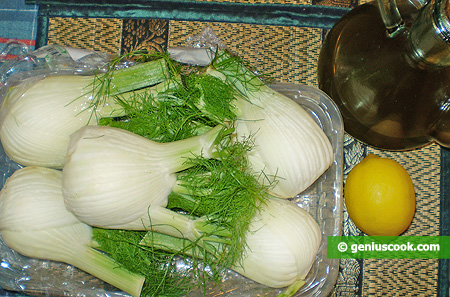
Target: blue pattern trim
(444, 265)
(314, 16)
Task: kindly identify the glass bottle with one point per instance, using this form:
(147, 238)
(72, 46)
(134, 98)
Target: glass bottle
(386, 66)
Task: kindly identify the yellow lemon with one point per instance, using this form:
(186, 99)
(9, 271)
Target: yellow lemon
(380, 197)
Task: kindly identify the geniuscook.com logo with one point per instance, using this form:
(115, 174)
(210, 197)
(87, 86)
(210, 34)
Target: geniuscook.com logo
(388, 247)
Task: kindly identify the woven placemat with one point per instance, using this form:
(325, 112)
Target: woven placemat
(287, 54)
(290, 54)
(411, 277)
(96, 34)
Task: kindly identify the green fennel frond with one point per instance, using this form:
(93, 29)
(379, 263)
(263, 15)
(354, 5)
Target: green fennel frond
(162, 118)
(224, 190)
(239, 73)
(162, 278)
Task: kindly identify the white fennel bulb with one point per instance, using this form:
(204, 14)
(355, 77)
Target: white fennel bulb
(35, 223)
(282, 243)
(290, 148)
(116, 179)
(38, 115)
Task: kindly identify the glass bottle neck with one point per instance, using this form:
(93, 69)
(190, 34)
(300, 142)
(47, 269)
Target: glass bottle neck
(429, 35)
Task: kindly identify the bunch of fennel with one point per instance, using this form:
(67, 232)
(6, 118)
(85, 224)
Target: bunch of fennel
(275, 230)
(35, 223)
(96, 150)
(38, 115)
(115, 179)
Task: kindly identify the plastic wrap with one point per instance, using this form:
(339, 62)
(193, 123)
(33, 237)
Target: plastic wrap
(322, 200)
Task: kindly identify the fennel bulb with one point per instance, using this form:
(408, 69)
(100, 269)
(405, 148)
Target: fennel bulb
(38, 115)
(116, 179)
(35, 223)
(281, 245)
(290, 148)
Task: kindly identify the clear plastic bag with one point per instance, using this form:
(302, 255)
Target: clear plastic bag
(322, 200)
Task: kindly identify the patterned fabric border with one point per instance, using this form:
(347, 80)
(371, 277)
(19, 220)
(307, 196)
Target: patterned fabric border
(150, 35)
